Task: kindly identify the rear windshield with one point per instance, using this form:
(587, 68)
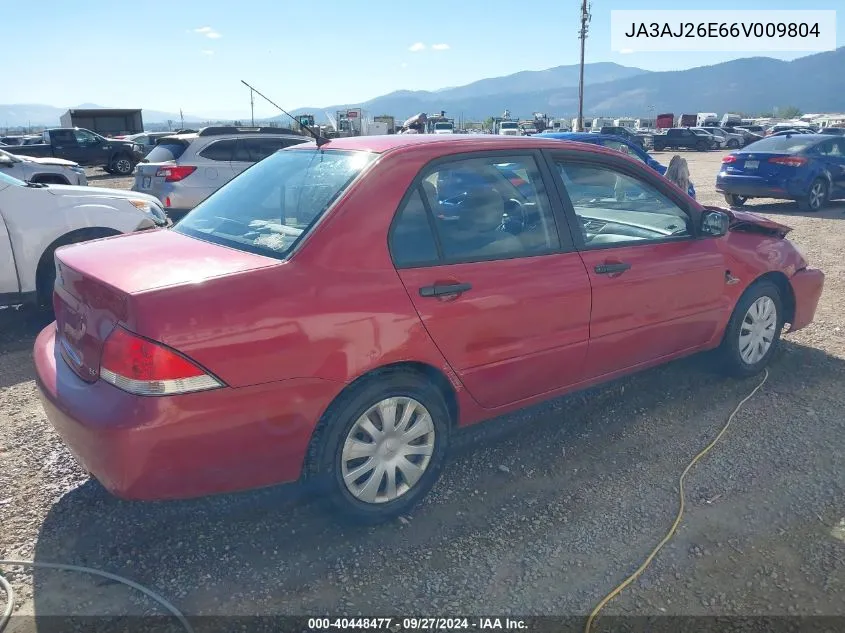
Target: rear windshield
(165, 151)
(781, 144)
(271, 206)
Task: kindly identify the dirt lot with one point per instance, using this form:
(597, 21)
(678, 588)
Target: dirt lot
(539, 513)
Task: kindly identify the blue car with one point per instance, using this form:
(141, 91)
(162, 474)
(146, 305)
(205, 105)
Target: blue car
(809, 168)
(614, 142)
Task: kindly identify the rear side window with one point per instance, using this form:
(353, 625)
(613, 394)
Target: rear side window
(780, 144)
(412, 240)
(220, 150)
(166, 151)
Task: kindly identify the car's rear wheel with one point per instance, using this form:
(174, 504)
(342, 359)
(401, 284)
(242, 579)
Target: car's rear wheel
(733, 143)
(753, 332)
(816, 197)
(380, 448)
(735, 200)
(122, 165)
(702, 146)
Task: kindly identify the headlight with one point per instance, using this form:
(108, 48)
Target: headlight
(153, 209)
(137, 147)
(78, 169)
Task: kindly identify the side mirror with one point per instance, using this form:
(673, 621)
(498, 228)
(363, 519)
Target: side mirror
(715, 223)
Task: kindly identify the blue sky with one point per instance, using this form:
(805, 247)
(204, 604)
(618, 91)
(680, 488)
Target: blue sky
(192, 53)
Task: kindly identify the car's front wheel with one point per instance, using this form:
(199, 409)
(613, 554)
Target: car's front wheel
(753, 332)
(733, 143)
(735, 200)
(702, 146)
(380, 448)
(816, 197)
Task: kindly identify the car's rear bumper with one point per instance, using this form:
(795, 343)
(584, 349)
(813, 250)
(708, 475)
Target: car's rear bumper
(751, 187)
(807, 285)
(172, 447)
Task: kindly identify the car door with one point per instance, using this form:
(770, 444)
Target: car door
(94, 149)
(832, 155)
(502, 293)
(64, 145)
(658, 289)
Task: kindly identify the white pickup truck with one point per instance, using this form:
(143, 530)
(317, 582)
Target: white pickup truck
(36, 219)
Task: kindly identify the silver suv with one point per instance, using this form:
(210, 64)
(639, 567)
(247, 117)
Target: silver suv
(184, 169)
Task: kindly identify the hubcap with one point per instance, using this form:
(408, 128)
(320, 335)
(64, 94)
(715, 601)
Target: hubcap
(387, 450)
(123, 166)
(757, 330)
(816, 195)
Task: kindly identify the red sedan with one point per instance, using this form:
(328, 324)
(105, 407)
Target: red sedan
(334, 312)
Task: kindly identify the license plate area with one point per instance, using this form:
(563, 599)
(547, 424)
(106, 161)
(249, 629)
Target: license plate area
(146, 182)
(752, 164)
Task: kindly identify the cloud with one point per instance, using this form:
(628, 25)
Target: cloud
(416, 47)
(440, 47)
(207, 52)
(208, 32)
(404, 64)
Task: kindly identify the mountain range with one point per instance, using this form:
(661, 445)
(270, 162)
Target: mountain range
(753, 84)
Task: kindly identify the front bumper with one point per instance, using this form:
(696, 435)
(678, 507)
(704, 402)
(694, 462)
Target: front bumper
(807, 285)
(174, 447)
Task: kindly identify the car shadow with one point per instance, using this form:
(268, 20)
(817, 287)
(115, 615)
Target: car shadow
(276, 541)
(833, 211)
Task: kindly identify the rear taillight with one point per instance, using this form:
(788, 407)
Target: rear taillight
(789, 161)
(728, 159)
(175, 173)
(143, 367)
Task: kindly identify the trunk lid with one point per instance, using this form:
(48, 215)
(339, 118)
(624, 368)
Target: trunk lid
(97, 288)
(757, 164)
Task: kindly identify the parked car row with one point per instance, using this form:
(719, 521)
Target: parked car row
(42, 170)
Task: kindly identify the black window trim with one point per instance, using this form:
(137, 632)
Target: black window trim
(561, 227)
(622, 165)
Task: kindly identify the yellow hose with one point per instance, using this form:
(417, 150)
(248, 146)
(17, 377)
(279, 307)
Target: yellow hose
(610, 596)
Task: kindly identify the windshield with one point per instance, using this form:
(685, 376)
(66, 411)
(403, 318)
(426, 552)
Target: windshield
(268, 208)
(167, 150)
(509, 126)
(5, 179)
(781, 144)
(442, 126)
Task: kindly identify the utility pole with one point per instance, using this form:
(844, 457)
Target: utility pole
(585, 20)
(181, 120)
(252, 106)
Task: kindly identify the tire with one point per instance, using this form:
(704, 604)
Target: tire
(702, 146)
(122, 165)
(816, 197)
(733, 144)
(340, 436)
(45, 275)
(739, 353)
(734, 200)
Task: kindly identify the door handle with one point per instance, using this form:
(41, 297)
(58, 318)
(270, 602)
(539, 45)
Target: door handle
(610, 269)
(439, 290)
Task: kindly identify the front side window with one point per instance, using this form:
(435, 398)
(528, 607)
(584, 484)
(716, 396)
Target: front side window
(614, 207)
(271, 206)
(83, 137)
(490, 208)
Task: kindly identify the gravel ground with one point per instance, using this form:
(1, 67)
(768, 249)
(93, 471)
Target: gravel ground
(542, 512)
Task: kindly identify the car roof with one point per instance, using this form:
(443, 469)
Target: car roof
(585, 136)
(450, 143)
